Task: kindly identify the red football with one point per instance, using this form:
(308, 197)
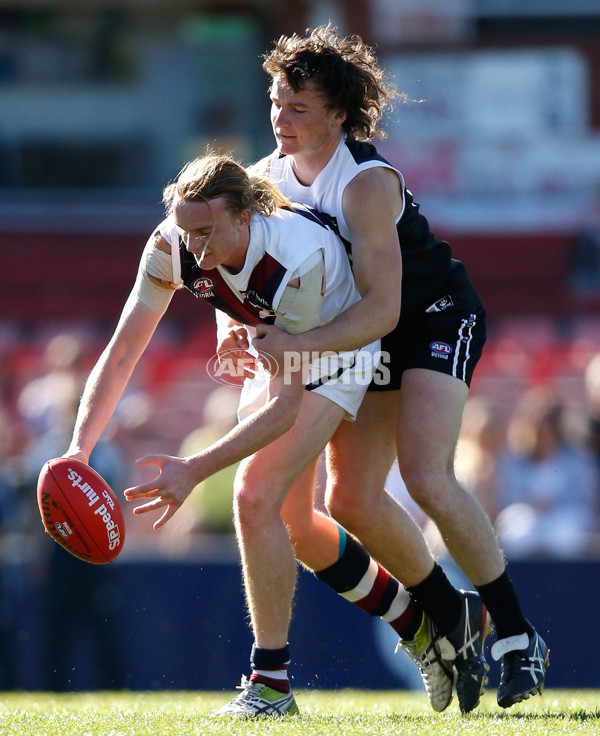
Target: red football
(80, 511)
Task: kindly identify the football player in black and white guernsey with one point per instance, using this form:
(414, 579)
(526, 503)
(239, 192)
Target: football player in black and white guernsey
(328, 94)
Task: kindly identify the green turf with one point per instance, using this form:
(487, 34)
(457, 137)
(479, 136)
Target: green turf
(339, 713)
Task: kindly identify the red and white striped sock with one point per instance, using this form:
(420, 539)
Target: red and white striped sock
(269, 667)
(360, 579)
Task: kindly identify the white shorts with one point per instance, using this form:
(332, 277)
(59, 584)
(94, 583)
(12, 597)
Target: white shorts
(341, 377)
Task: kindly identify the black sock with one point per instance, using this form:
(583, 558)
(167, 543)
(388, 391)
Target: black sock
(439, 599)
(349, 569)
(501, 600)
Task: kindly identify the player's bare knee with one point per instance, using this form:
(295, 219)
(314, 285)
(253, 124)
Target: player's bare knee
(252, 506)
(346, 512)
(431, 491)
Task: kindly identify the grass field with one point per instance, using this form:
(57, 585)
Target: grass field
(339, 713)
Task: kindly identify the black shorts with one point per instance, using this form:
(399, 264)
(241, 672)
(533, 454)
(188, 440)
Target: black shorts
(448, 339)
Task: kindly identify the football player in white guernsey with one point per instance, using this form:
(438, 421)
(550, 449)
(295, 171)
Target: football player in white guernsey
(236, 243)
(328, 94)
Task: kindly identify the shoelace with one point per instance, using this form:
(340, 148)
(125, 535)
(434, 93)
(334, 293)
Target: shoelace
(248, 688)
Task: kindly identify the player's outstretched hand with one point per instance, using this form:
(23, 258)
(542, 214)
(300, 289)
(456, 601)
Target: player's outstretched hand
(169, 488)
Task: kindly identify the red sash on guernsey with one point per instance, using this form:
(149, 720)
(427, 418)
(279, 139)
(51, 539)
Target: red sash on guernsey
(210, 286)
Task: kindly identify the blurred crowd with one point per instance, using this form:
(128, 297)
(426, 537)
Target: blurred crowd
(536, 472)
(535, 469)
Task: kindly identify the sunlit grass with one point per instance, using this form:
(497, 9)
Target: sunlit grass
(340, 713)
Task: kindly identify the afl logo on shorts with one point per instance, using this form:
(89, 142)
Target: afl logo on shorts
(440, 349)
(204, 286)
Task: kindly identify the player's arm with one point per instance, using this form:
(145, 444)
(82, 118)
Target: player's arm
(178, 476)
(141, 314)
(371, 203)
(301, 301)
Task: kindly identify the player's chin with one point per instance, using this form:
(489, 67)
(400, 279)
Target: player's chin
(287, 146)
(204, 263)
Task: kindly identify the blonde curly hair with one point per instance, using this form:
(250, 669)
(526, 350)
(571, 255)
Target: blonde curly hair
(218, 175)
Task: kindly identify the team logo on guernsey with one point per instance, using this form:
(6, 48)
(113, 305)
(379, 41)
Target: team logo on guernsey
(440, 349)
(204, 286)
(256, 299)
(444, 303)
(260, 303)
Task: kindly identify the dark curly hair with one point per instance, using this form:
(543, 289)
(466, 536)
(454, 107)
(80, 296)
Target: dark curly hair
(344, 68)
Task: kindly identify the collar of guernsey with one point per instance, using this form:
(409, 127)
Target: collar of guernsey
(326, 192)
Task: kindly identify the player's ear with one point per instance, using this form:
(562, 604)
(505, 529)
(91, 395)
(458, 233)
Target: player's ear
(340, 117)
(244, 217)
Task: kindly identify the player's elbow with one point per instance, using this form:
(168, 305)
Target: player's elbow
(388, 314)
(126, 357)
(391, 322)
(382, 305)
